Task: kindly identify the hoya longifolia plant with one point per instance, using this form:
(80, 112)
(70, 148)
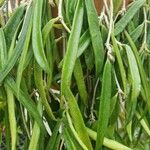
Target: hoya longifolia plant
(77, 79)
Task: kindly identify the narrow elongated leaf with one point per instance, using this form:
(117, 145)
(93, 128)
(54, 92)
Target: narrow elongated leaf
(12, 117)
(47, 28)
(58, 140)
(3, 50)
(77, 118)
(53, 138)
(75, 133)
(36, 131)
(38, 47)
(143, 123)
(108, 142)
(120, 63)
(13, 23)
(145, 84)
(136, 87)
(68, 66)
(67, 133)
(122, 23)
(84, 43)
(26, 101)
(113, 103)
(95, 34)
(49, 54)
(78, 74)
(135, 76)
(23, 56)
(8, 133)
(104, 107)
(68, 141)
(70, 10)
(71, 53)
(14, 39)
(29, 57)
(40, 86)
(18, 49)
(135, 34)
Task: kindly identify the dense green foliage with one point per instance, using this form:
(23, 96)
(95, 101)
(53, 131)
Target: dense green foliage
(87, 87)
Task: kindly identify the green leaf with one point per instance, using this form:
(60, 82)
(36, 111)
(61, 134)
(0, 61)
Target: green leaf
(135, 75)
(38, 77)
(13, 23)
(37, 42)
(23, 57)
(26, 101)
(95, 34)
(120, 63)
(3, 50)
(18, 49)
(108, 142)
(72, 48)
(136, 33)
(143, 75)
(47, 28)
(54, 136)
(77, 118)
(122, 23)
(104, 107)
(12, 116)
(36, 131)
(84, 43)
(78, 74)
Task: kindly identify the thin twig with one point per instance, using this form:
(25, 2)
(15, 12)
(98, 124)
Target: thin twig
(144, 44)
(52, 3)
(111, 28)
(24, 122)
(106, 7)
(122, 11)
(110, 25)
(92, 118)
(61, 16)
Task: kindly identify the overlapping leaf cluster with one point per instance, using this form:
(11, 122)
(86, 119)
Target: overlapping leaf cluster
(86, 88)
